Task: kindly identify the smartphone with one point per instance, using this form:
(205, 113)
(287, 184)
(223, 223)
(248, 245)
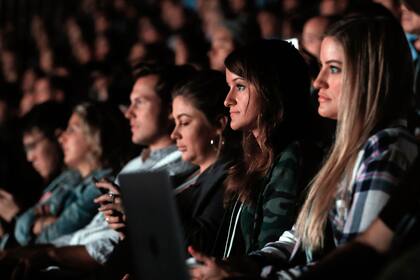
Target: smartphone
(96, 180)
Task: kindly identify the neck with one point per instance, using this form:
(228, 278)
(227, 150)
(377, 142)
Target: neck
(86, 168)
(161, 143)
(209, 161)
(256, 134)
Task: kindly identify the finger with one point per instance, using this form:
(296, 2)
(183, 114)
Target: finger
(112, 219)
(44, 209)
(195, 273)
(109, 186)
(109, 206)
(117, 226)
(107, 213)
(197, 255)
(102, 199)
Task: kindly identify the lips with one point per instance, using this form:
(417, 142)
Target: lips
(182, 148)
(323, 98)
(133, 127)
(233, 113)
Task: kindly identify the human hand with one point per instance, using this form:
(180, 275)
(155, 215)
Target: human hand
(110, 192)
(8, 206)
(42, 222)
(111, 206)
(115, 217)
(209, 270)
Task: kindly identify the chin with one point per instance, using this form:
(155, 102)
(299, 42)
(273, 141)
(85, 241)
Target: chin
(186, 157)
(234, 126)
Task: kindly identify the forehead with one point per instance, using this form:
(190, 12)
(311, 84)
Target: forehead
(230, 76)
(316, 25)
(75, 119)
(31, 134)
(331, 50)
(145, 87)
(182, 105)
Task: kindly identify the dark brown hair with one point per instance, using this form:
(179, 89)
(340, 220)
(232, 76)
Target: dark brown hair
(281, 79)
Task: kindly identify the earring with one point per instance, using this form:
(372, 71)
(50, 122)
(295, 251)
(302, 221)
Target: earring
(217, 144)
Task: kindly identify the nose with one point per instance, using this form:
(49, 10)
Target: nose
(175, 134)
(320, 81)
(62, 138)
(230, 99)
(129, 112)
(30, 156)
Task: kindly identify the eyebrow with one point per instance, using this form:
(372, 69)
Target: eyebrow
(183, 115)
(238, 78)
(333, 61)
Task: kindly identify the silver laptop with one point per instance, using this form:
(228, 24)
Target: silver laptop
(154, 230)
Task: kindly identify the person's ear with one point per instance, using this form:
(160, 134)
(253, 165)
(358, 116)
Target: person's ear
(222, 122)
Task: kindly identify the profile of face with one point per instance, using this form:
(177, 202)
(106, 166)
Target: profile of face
(410, 21)
(147, 31)
(242, 101)
(193, 132)
(144, 112)
(41, 152)
(221, 46)
(330, 78)
(268, 24)
(332, 7)
(74, 141)
(42, 91)
(312, 33)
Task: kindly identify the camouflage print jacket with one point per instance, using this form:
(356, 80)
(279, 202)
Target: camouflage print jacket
(276, 207)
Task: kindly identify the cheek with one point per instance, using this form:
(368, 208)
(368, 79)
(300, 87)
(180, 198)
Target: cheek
(198, 141)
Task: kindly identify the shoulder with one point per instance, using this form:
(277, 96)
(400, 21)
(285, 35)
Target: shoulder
(289, 157)
(67, 177)
(393, 142)
(283, 176)
(133, 165)
(179, 167)
(287, 161)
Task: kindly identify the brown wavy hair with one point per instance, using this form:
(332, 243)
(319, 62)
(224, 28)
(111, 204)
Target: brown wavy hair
(281, 80)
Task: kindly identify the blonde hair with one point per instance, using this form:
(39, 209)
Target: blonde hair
(373, 94)
(91, 132)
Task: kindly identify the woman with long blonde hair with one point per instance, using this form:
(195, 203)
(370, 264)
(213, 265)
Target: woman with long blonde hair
(365, 83)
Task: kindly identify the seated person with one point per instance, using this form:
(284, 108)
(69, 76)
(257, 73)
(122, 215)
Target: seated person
(43, 151)
(200, 135)
(151, 125)
(371, 154)
(91, 150)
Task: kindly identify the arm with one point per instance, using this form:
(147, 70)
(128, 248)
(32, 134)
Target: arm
(23, 227)
(76, 215)
(39, 257)
(378, 175)
(280, 196)
(201, 229)
(76, 257)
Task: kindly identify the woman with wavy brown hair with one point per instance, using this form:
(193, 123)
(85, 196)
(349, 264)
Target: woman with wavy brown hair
(269, 102)
(365, 83)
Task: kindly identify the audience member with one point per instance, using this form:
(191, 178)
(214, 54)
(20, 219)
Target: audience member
(361, 171)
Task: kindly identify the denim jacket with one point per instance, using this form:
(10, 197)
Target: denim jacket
(70, 199)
